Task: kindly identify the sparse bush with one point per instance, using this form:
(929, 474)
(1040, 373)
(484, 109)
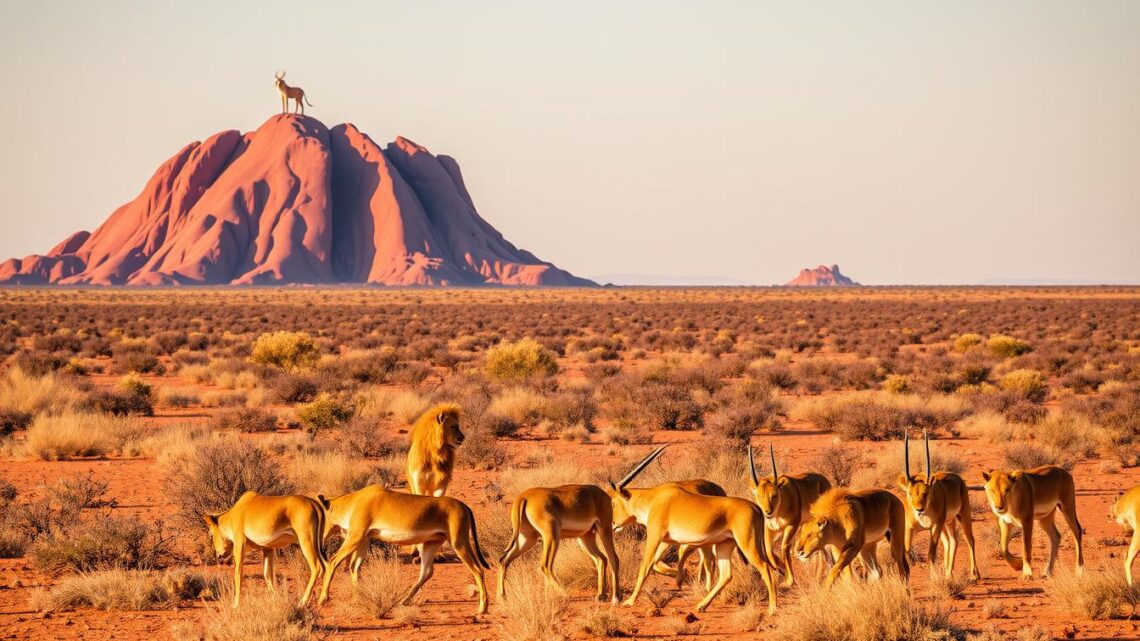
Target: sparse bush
(323, 413)
(177, 396)
(333, 474)
(122, 403)
(1094, 594)
(294, 388)
(532, 611)
(104, 543)
(520, 404)
(838, 463)
(362, 437)
(848, 606)
(244, 419)
(965, 342)
(71, 435)
(115, 589)
(1007, 346)
(1026, 383)
(747, 408)
(12, 420)
(897, 384)
(481, 451)
(48, 394)
(382, 586)
(519, 361)
(264, 616)
(284, 350)
(606, 622)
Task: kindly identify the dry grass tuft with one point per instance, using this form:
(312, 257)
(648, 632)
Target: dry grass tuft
(896, 615)
(605, 621)
(263, 616)
(47, 394)
(532, 611)
(384, 582)
(107, 590)
(71, 435)
(1094, 594)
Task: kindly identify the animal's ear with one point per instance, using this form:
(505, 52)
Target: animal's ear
(783, 481)
(1016, 474)
(325, 503)
(904, 482)
(441, 417)
(821, 521)
(986, 475)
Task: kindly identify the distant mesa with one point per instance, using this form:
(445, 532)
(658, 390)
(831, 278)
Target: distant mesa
(294, 202)
(822, 276)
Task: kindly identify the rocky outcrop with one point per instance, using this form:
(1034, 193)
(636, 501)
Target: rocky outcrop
(822, 276)
(294, 202)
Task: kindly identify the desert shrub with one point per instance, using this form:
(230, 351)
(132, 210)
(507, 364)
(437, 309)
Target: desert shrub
(177, 396)
(514, 480)
(746, 408)
(361, 437)
(115, 589)
(13, 544)
(871, 417)
(214, 475)
(605, 621)
(71, 435)
(122, 403)
(848, 604)
(24, 393)
(1026, 383)
(294, 388)
(135, 386)
(625, 433)
(382, 586)
(323, 413)
(103, 543)
(1117, 410)
(139, 361)
(519, 361)
(1008, 403)
(773, 374)
(897, 384)
(12, 420)
(532, 611)
(1024, 456)
(223, 398)
(481, 451)
(669, 407)
(838, 463)
(333, 474)
(521, 404)
(264, 616)
(569, 407)
(285, 350)
(1007, 346)
(245, 419)
(1071, 434)
(1093, 594)
(965, 342)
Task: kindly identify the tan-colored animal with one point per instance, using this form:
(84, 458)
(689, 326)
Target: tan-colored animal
(851, 524)
(939, 502)
(675, 516)
(296, 94)
(695, 486)
(551, 514)
(1023, 496)
(404, 519)
(786, 503)
(268, 523)
(431, 454)
(1126, 511)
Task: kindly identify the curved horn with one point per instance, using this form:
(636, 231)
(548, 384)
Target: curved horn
(772, 455)
(906, 453)
(752, 467)
(926, 437)
(641, 466)
(278, 74)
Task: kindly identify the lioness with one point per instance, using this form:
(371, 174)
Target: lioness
(1126, 511)
(431, 455)
(851, 524)
(267, 523)
(1022, 496)
(404, 519)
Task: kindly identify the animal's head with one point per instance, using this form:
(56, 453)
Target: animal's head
(767, 490)
(442, 424)
(915, 487)
(813, 535)
(620, 496)
(1000, 487)
(222, 546)
(279, 78)
(825, 523)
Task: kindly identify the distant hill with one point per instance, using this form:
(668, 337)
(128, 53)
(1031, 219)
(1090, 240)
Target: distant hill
(821, 276)
(294, 202)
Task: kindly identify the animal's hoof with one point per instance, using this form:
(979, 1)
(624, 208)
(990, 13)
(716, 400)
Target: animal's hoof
(628, 603)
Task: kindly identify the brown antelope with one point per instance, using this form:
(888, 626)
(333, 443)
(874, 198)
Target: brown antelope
(695, 486)
(296, 94)
(674, 516)
(786, 503)
(268, 523)
(403, 519)
(1023, 496)
(937, 502)
(1126, 511)
(582, 512)
(851, 524)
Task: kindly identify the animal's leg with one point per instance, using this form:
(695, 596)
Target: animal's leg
(681, 573)
(936, 532)
(606, 534)
(352, 541)
(950, 546)
(550, 541)
(786, 539)
(356, 560)
(968, 533)
(867, 555)
(464, 549)
(239, 559)
(664, 569)
(708, 565)
(267, 563)
(756, 559)
(1069, 511)
(654, 548)
(846, 556)
(427, 568)
(590, 547)
(1133, 549)
(311, 552)
(1027, 546)
(724, 569)
(524, 542)
(1003, 546)
(1054, 535)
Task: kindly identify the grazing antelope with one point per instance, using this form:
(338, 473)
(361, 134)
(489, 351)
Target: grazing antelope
(582, 512)
(296, 94)
(1126, 511)
(695, 486)
(851, 524)
(786, 503)
(268, 523)
(1022, 496)
(937, 502)
(674, 516)
(403, 519)
(431, 454)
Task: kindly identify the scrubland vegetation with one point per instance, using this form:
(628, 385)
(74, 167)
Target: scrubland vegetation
(215, 393)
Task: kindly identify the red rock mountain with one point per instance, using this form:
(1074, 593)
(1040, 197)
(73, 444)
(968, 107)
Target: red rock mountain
(822, 276)
(294, 202)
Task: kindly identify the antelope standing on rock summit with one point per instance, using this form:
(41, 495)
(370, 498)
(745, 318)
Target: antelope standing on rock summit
(296, 94)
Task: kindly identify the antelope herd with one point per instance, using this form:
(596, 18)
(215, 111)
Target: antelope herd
(800, 513)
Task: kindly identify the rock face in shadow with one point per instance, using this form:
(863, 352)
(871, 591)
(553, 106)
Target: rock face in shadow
(822, 276)
(294, 202)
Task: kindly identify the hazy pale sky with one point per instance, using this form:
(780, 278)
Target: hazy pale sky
(909, 141)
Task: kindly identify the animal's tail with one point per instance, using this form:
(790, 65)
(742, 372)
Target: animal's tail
(475, 540)
(306, 99)
(322, 523)
(517, 511)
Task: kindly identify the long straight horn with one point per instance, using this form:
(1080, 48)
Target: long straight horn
(752, 467)
(926, 437)
(772, 456)
(641, 466)
(906, 453)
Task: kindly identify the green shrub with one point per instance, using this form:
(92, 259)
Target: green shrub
(322, 413)
(519, 361)
(1026, 383)
(967, 341)
(897, 384)
(135, 386)
(1007, 346)
(285, 350)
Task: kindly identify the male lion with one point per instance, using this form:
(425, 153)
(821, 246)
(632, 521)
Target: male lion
(1023, 496)
(851, 524)
(431, 456)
